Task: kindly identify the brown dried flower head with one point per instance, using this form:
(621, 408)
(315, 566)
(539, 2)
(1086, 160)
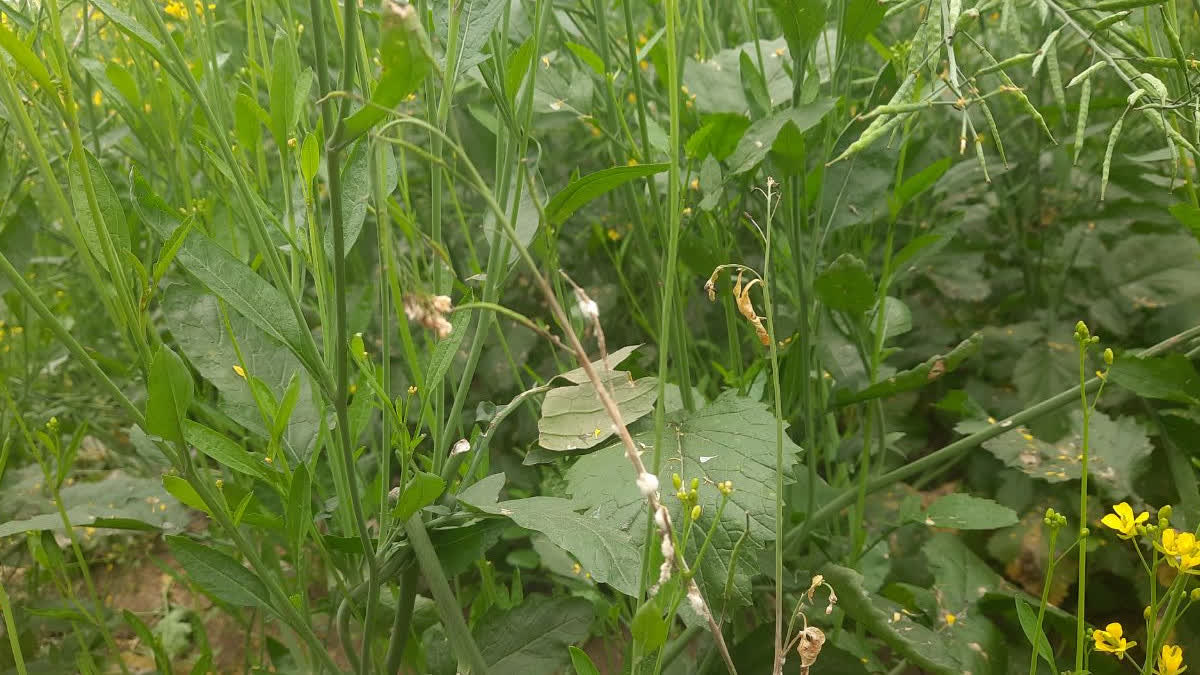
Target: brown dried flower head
(429, 311)
(746, 307)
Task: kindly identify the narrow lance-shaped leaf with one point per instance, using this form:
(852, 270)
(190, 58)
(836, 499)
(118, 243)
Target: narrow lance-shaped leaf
(915, 378)
(218, 574)
(585, 189)
(170, 393)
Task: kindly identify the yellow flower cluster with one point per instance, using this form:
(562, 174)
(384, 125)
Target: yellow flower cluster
(1181, 550)
(1112, 640)
(179, 11)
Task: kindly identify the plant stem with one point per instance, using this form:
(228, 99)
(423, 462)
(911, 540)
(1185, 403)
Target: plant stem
(14, 637)
(1080, 621)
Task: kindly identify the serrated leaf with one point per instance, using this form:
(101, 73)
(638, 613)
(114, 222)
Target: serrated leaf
(915, 378)
(732, 438)
(604, 551)
(583, 190)
(1117, 450)
(1171, 377)
(761, 136)
(965, 512)
(846, 285)
(422, 489)
(218, 574)
(573, 418)
(534, 636)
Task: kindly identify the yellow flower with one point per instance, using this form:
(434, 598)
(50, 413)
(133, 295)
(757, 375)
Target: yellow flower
(176, 10)
(1181, 550)
(1170, 662)
(97, 97)
(240, 371)
(1123, 521)
(1111, 640)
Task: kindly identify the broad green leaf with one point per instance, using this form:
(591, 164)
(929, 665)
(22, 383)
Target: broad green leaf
(356, 191)
(218, 574)
(1034, 634)
(170, 390)
(225, 452)
(965, 512)
(1188, 215)
(649, 628)
(846, 285)
(119, 502)
(459, 548)
(717, 136)
(754, 87)
(578, 376)
(582, 662)
(1171, 377)
(25, 58)
(961, 580)
(534, 636)
(407, 58)
(229, 278)
(915, 378)
(897, 319)
(606, 552)
(573, 418)
(923, 647)
(732, 438)
(1118, 448)
(583, 190)
(421, 491)
(1154, 270)
(477, 20)
(108, 204)
(519, 62)
(716, 83)
(196, 322)
(761, 136)
(802, 22)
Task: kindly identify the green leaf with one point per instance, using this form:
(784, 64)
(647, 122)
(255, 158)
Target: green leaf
(1034, 634)
(170, 391)
(26, 58)
(924, 648)
(589, 57)
(519, 62)
(802, 21)
(534, 636)
(118, 502)
(143, 632)
(583, 190)
(407, 58)
(1170, 378)
(716, 83)
(606, 552)
(110, 210)
(229, 278)
(916, 184)
(1188, 215)
(732, 438)
(477, 20)
(579, 376)
(1154, 270)
(218, 574)
(754, 87)
(760, 138)
(224, 451)
(582, 662)
(897, 319)
(717, 136)
(197, 323)
(649, 628)
(573, 418)
(964, 512)
(284, 72)
(130, 26)
(299, 504)
(421, 491)
(861, 19)
(915, 378)
(846, 285)
(356, 192)
(1118, 448)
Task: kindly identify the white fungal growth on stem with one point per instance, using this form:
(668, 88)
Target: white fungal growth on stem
(647, 483)
(463, 445)
(589, 309)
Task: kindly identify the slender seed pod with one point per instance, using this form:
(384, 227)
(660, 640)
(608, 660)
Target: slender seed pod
(994, 130)
(1097, 66)
(1108, 152)
(1085, 99)
(1056, 83)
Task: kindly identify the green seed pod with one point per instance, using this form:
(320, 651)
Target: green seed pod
(1108, 153)
(1085, 99)
(1083, 77)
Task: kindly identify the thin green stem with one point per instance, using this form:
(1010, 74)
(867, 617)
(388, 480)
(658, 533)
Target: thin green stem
(14, 636)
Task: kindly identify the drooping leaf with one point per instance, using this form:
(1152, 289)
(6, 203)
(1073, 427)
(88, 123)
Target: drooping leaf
(119, 502)
(407, 58)
(1118, 448)
(585, 189)
(573, 418)
(533, 637)
(606, 552)
(169, 393)
(922, 646)
(1171, 377)
(224, 451)
(846, 285)
(915, 378)
(761, 137)
(225, 578)
(965, 512)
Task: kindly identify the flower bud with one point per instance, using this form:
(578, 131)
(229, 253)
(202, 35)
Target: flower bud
(1164, 516)
(1146, 613)
(681, 496)
(357, 349)
(1195, 595)
(695, 484)
(1083, 531)
(1108, 357)
(220, 484)
(676, 481)
(1081, 332)
(696, 512)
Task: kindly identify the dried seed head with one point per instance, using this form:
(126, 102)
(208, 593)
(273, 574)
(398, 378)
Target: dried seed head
(428, 311)
(441, 303)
